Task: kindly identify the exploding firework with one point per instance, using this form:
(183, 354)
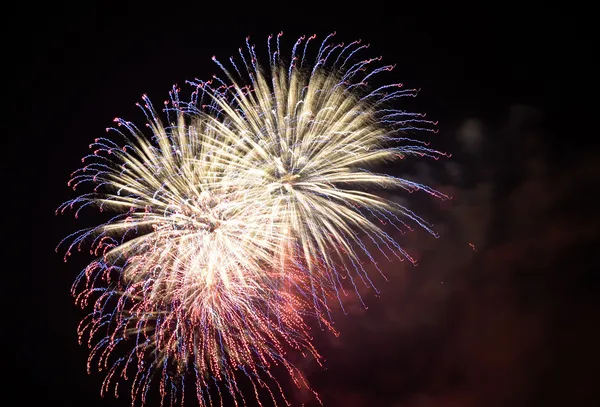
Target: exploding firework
(188, 262)
(312, 133)
(237, 220)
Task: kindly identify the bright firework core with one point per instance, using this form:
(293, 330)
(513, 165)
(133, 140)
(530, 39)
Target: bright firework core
(201, 212)
(236, 222)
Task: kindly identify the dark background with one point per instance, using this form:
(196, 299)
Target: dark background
(513, 322)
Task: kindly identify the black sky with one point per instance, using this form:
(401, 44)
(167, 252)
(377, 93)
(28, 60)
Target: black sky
(514, 323)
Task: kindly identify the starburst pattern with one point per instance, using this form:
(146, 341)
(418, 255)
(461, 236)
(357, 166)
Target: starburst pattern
(239, 218)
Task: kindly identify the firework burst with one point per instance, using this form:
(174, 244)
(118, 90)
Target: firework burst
(312, 133)
(236, 221)
(186, 276)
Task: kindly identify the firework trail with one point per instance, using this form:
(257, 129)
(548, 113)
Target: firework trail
(237, 220)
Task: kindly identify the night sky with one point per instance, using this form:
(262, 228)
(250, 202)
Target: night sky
(512, 320)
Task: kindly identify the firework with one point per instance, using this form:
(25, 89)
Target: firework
(236, 221)
(186, 275)
(312, 134)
